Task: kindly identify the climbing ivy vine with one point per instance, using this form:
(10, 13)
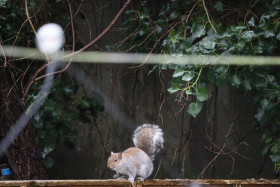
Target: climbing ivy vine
(66, 105)
(59, 118)
(215, 28)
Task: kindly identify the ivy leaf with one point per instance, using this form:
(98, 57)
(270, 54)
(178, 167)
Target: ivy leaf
(178, 72)
(49, 105)
(248, 35)
(141, 32)
(247, 85)
(174, 14)
(278, 36)
(221, 73)
(269, 33)
(219, 6)
(267, 138)
(47, 149)
(153, 70)
(57, 112)
(260, 116)
(84, 103)
(238, 29)
(251, 22)
(203, 94)
(174, 36)
(208, 42)
(240, 45)
(271, 79)
(189, 92)
(37, 117)
(223, 44)
(264, 104)
(188, 76)
(260, 83)
(49, 162)
(174, 87)
(265, 149)
(275, 149)
(197, 30)
(235, 80)
(195, 108)
(275, 158)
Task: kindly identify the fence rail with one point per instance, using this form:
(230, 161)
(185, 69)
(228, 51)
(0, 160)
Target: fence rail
(148, 183)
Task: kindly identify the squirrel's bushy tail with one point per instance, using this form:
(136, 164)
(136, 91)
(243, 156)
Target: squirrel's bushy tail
(149, 138)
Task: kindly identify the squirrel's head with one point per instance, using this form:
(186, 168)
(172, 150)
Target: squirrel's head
(114, 160)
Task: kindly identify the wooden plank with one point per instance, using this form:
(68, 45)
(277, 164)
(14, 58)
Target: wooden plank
(61, 183)
(183, 182)
(148, 183)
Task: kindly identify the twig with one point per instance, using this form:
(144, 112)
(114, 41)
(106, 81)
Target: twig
(38, 10)
(72, 25)
(184, 157)
(73, 46)
(5, 59)
(162, 93)
(131, 34)
(188, 16)
(180, 109)
(152, 32)
(221, 150)
(208, 17)
(80, 6)
(245, 18)
(28, 17)
(158, 168)
(175, 153)
(54, 73)
(151, 51)
(33, 79)
(103, 32)
(32, 26)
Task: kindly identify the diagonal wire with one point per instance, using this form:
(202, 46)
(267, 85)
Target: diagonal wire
(29, 112)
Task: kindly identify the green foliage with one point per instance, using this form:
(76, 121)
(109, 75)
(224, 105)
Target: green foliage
(12, 17)
(64, 108)
(54, 121)
(195, 108)
(183, 27)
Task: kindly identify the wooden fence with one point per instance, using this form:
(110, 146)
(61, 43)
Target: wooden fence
(148, 183)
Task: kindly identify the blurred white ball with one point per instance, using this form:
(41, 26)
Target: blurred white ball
(50, 38)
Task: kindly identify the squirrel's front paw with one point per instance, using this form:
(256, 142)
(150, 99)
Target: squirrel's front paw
(116, 176)
(131, 180)
(141, 179)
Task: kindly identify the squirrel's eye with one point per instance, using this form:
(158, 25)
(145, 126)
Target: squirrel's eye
(115, 160)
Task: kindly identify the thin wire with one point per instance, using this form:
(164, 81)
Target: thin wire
(137, 58)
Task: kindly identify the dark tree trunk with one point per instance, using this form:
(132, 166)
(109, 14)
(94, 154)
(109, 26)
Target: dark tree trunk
(24, 155)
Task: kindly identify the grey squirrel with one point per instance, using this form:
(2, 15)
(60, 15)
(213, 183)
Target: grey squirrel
(137, 161)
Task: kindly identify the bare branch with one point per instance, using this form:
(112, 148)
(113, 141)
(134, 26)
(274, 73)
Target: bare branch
(34, 79)
(103, 32)
(208, 17)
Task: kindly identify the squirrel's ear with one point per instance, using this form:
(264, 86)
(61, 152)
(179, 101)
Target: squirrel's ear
(112, 152)
(120, 155)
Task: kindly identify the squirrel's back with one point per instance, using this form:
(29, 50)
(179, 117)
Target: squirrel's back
(149, 138)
